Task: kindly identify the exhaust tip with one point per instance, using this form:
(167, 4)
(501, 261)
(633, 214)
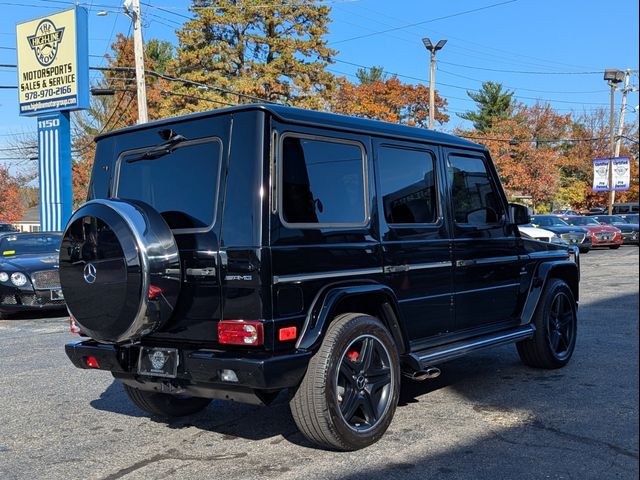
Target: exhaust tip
(421, 375)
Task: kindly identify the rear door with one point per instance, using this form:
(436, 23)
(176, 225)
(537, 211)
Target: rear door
(415, 237)
(485, 248)
(186, 187)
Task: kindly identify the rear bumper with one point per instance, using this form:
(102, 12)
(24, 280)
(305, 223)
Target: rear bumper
(199, 370)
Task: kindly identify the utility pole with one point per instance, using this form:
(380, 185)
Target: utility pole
(132, 9)
(613, 77)
(432, 77)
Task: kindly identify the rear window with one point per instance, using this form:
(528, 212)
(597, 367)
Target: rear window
(182, 185)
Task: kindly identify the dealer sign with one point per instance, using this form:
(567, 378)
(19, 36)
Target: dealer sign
(53, 63)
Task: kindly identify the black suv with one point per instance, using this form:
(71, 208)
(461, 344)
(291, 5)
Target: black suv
(237, 253)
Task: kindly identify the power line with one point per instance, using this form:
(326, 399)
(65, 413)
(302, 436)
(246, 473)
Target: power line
(513, 141)
(423, 80)
(528, 72)
(520, 88)
(194, 97)
(186, 82)
(402, 27)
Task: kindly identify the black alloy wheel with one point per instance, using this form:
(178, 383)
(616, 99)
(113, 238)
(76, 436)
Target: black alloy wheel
(364, 383)
(561, 326)
(347, 398)
(556, 323)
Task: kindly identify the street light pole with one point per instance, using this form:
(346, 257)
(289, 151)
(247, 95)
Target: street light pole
(132, 9)
(432, 77)
(613, 77)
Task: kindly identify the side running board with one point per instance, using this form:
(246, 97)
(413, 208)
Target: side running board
(443, 353)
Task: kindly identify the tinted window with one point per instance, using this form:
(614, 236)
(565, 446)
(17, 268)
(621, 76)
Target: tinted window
(548, 221)
(474, 198)
(11, 245)
(181, 185)
(407, 185)
(323, 182)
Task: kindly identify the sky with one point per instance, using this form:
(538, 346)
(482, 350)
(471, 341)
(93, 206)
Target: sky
(542, 50)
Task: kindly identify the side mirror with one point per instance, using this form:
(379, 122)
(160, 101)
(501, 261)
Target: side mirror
(519, 214)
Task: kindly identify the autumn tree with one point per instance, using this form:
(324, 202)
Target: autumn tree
(390, 101)
(11, 207)
(276, 52)
(526, 150)
(591, 139)
(120, 109)
(493, 104)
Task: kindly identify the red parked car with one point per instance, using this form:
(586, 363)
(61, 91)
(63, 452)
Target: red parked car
(601, 235)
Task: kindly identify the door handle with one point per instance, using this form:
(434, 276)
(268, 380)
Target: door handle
(465, 263)
(396, 268)
(201, 272)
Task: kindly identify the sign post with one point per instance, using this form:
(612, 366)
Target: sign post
(53, 79)
(611, 175)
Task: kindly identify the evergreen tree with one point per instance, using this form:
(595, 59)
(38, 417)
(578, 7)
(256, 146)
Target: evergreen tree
(493, 103)
(374, 74)
(273, 52)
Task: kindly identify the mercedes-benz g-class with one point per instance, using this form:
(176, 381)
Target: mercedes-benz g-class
(238, 253)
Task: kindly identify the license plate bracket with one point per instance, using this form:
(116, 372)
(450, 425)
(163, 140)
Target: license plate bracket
(158, 362)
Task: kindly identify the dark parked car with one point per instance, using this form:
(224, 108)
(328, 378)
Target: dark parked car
(571, 234)
(601, 235)
(29, 272)
(631, 217)
(597, 211)
(629, 230)
(7, 228)
(630, 207)
(237, 253)
(564, 212)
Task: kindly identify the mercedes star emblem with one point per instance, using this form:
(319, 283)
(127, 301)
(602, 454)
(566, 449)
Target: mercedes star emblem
(90, 273)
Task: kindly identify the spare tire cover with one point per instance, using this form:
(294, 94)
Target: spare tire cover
(119, 270)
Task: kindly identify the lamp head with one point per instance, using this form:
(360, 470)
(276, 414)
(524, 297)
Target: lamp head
(613, 75)
(440, 44)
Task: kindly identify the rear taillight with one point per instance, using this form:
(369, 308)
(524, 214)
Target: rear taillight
(154, 292)
(91, 362)
(73, 325)
(240, 332)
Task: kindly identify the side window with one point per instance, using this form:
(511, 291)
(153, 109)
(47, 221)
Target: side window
(475, 199)
(407, 185)
(323, 182)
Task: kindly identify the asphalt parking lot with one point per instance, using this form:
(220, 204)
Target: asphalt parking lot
(486, 417)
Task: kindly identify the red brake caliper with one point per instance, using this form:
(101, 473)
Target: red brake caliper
(353, 355)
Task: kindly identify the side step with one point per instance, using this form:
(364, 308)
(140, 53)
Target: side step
(423, 359)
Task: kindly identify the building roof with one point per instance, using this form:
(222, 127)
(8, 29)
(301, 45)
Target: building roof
(315, 118)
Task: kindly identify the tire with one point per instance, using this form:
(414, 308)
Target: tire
(556, 325)
(614, 247)
(356, 349)
(165, 405)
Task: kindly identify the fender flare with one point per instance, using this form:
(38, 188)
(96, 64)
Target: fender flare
(323, 309)
(568, 270)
